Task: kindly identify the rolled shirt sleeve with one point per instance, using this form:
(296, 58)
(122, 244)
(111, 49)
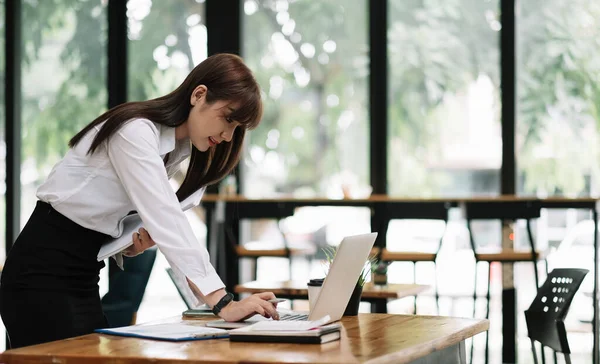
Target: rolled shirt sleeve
(134, 154)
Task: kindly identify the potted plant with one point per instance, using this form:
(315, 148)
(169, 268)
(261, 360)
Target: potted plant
(354, 302)
(379, 269)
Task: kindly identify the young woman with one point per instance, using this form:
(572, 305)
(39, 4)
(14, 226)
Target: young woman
(120, 162)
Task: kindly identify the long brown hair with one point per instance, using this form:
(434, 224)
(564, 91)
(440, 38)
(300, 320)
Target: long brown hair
(227, 78)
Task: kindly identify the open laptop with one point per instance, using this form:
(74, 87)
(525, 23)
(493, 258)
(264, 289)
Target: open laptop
(187, 297)
(350, 258)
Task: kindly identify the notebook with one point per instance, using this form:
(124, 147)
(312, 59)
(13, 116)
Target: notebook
(319, 335)
(183, 331)
(132, 223)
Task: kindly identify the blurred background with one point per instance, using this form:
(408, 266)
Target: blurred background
(409, 104)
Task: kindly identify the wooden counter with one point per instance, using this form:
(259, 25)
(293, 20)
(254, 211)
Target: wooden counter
(372, 338)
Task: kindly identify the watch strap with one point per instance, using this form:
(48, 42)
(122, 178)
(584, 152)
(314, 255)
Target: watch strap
(224, 301)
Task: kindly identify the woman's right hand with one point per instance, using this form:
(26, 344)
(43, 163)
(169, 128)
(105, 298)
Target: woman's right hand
(141, 241)
(256, 304)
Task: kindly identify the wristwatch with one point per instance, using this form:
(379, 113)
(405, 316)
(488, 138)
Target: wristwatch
(224, 301)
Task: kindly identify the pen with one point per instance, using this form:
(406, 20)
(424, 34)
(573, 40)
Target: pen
(277, 300)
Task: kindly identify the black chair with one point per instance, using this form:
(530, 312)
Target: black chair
(545, 317)
(502, 209)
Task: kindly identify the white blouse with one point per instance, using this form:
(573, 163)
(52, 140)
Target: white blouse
(128, 173)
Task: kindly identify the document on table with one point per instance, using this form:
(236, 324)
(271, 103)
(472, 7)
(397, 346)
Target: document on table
(183, 331)
(132, 223)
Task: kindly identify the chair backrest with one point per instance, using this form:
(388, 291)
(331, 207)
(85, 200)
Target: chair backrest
(502, 210)
(545, 317)
(259, 210)
(255, 210)
(418, 210)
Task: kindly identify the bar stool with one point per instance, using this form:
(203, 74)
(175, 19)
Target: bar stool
(418, 211)
(256, 249)
(502, 210)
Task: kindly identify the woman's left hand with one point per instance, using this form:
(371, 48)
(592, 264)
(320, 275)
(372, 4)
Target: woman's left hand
(141, 242)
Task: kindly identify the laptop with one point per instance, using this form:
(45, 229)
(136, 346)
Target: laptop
(186, 296)
(350, 258)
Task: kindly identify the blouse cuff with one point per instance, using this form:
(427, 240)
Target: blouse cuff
(208, 284)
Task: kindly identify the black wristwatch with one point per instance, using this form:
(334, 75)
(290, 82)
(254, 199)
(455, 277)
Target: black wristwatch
(224, 301)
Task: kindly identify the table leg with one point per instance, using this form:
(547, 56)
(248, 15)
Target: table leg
(230, 263)
(462, 353)
(379, 224)
(509, 306)
(379, 306)
(208, 213)
(595, 294)
(455, 354)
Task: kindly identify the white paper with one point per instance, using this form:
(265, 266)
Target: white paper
(172, 331)
(305, 333)
(132, 223)
(128, 225)
(273, 325)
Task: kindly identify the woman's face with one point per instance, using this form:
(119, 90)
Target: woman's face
(209, 124)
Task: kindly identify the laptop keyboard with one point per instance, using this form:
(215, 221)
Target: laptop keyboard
(293, 317)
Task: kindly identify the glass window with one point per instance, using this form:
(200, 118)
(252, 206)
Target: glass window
(67, 40)
(311, 60)
(444, 108)
(160, 57)
(558, 97)
(444, 127)
(557, 140)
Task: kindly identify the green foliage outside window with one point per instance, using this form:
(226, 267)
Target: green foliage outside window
(558, 82)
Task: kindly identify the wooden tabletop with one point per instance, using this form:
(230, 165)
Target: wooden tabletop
(388, 198)
(298, 288)
(374, 338)
(371, 198)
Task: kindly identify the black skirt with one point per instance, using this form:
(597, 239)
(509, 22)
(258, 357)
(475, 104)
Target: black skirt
(49, 285)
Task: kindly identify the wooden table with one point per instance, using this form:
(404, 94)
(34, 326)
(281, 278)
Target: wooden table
(298, 290)
(366, 338)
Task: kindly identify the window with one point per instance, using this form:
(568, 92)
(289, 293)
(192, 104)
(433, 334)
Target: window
(444, 108)
(67, 40)
(311, 60)
(557, 139)
(558, 93)
(444, 125)
(160, 57)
